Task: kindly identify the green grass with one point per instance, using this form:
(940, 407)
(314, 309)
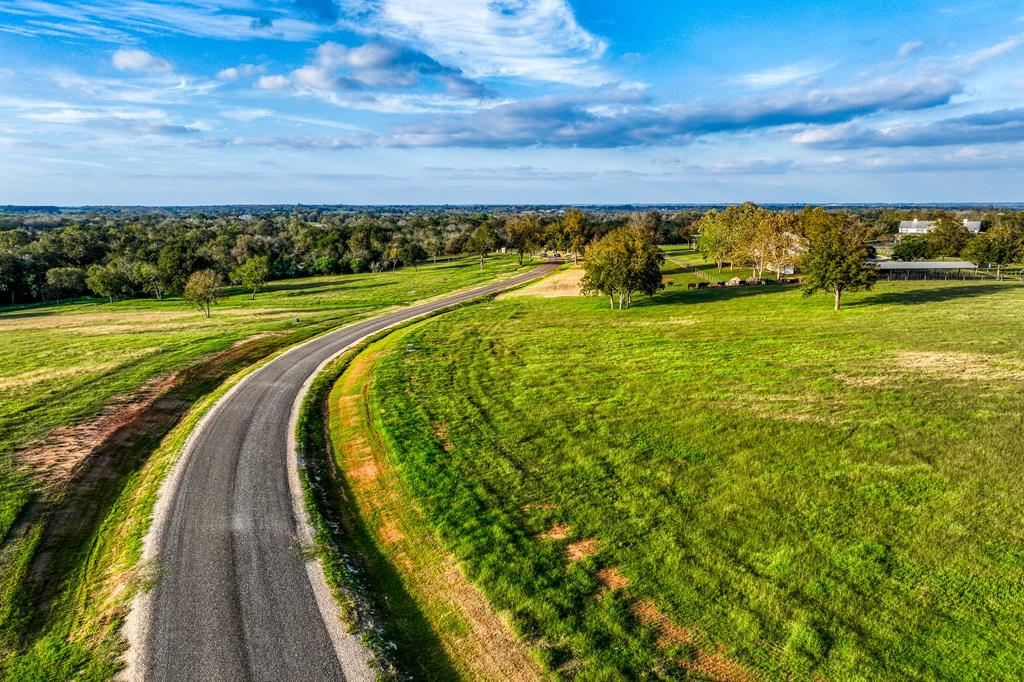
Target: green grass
(820, 495)
(60, 365)
(678, 258)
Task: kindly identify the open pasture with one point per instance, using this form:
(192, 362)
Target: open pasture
(730, 483)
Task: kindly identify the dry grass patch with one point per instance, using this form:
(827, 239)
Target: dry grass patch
(964, 366)
(559, 285)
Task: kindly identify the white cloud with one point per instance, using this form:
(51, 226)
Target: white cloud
(782, 75)
(273, 83)
(139, 60)
(241, 71)
(229, 20)
(529, 39)
(246, 115)
(906, 49)
(997, 50)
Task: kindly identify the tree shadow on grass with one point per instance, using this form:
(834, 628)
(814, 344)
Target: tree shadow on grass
(932, 295)
(679, 296)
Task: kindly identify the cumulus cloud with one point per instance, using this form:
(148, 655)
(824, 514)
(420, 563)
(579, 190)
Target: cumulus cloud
(595, 121)
(241, 71)
(530, 39)
(273, 83)
(995, 126)
(139, 60)
(378, 65)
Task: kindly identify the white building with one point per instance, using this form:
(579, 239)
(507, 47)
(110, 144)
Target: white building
(916, 226)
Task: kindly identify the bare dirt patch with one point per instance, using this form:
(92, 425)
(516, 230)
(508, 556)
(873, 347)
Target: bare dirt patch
(441, 431)
(57, 458)
(716, 667)
(559, 285)
(581, 549)
(707, 662)
(669, 634)
(612, 578)
(559, 531)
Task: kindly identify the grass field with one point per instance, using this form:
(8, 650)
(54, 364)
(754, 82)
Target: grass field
(441, 625)
(729, 484)
(61, 367)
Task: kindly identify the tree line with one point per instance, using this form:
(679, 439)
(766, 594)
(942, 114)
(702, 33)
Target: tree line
(52, 257)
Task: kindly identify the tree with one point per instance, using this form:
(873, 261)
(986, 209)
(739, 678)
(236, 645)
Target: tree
(411, 252)
(433, 244)
(65, 281)
(148, 279)
(911, 248)
(780, 241)
(998, 247)
(621, 263)
(482, 241)
(836, 258)
(712, 241)
(202, 290)
(574, 231)
(104, 280)
(524, 233)
(948, 237)
(253, 273)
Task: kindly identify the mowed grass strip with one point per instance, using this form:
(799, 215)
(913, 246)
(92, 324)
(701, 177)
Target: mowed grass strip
(441, 624)
(768, 489)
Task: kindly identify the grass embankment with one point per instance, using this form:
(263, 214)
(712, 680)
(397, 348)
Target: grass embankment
(441, 625)
(728, 483)
(61, 366)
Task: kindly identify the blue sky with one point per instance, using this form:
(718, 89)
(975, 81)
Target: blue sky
(510, 101)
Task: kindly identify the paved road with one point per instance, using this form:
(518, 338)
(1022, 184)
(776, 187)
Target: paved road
(233, 600)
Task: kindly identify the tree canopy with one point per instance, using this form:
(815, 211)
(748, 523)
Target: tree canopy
(837, 255)
(621, 263)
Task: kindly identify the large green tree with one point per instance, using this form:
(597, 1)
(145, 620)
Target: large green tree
(525, 233)
(948, 237)
(105, 280)
(621, 263)
(837, 255)
(65, 281)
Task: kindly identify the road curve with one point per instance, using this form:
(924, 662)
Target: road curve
(235, 598)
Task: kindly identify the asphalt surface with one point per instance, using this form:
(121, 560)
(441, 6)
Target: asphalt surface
(233, 600)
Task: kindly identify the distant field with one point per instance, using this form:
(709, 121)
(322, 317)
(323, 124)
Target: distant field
(62, 366)
(729, 483)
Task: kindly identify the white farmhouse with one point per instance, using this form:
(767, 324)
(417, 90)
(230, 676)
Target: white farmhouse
(916, 226)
